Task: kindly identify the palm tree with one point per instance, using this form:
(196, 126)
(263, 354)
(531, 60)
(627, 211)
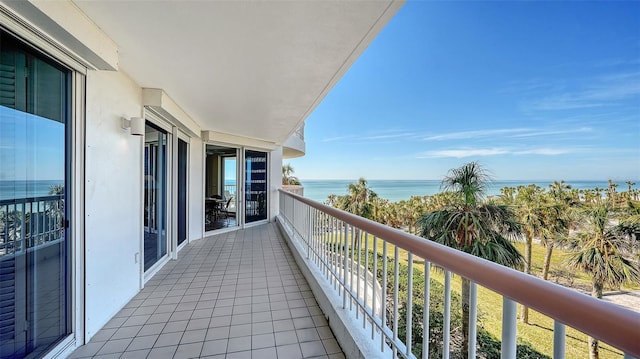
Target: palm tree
(630, 185)
(560, 219)
(287, 175)
(359, 200)
(600, 248)
(473, 227)
(531, 212)
(611, 192)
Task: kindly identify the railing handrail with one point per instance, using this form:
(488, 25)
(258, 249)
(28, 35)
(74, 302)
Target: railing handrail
(608, 322)
(12, 201)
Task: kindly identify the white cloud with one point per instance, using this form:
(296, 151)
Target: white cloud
(484, 152)
(379, 136)
(602, 91)
(505, 133)
(338, 138)
(544, 151)
(462, 153)
(554, 132)
(475, 134)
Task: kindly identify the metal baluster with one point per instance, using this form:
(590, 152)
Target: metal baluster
(307, 231)
(316, 239)
(396, 273)
(446, 333)
(374, 279)
(383, 304)
(334, 235)
(326, 245)
(366, 278)
(344, 266)
(358, 247)
(473, 318)
(509, 312)
(558, 340)
(409, 302)
(425, 318)
(353, 239)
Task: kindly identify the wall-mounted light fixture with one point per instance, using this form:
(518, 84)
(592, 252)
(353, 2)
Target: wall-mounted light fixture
(136, 124)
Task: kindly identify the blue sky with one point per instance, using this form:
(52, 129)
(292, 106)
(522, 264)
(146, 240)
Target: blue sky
(532, 90)
(31, 147)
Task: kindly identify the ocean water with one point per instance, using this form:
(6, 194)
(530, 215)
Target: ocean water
(396, 190)
(26, 189)
(319, 190)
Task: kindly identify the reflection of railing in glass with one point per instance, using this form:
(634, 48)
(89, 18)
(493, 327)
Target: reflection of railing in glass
(30, 222)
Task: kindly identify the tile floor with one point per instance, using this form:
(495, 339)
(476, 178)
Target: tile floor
(234, 295)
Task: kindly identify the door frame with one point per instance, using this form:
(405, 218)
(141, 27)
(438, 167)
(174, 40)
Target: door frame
(75, 146)
(158, 121)
(268, 184)
(240, 185)
(239, 192)
(184, 137)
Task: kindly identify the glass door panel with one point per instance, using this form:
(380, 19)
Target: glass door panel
(155, 195)
(35, 261)
(182, 191)
(256, 189)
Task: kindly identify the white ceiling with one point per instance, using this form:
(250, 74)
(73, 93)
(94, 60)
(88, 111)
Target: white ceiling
(253, 69)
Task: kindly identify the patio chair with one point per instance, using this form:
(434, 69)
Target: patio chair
(225, 211)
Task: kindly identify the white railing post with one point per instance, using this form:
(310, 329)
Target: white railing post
(383, 304)
(396, 288)
(344, 266)
(336, 247)
(473, 318)
(308, 232)
(352, 253)
(446, 332)
(374, 279)
(558, 340)
(409, 302)
(425, 311)
(509, 312)
(358, 261)
(366, 279)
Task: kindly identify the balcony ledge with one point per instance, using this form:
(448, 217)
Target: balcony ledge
(354, 340)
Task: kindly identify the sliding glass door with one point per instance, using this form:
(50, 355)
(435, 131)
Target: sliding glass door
(255, 186)
(182, 190)
(35, 249)
(155, 195)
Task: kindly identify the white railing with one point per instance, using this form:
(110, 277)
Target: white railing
(349, 250)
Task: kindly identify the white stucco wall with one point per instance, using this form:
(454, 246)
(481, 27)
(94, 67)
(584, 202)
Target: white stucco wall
(113, 206)
(275, 180)
(196, 189)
